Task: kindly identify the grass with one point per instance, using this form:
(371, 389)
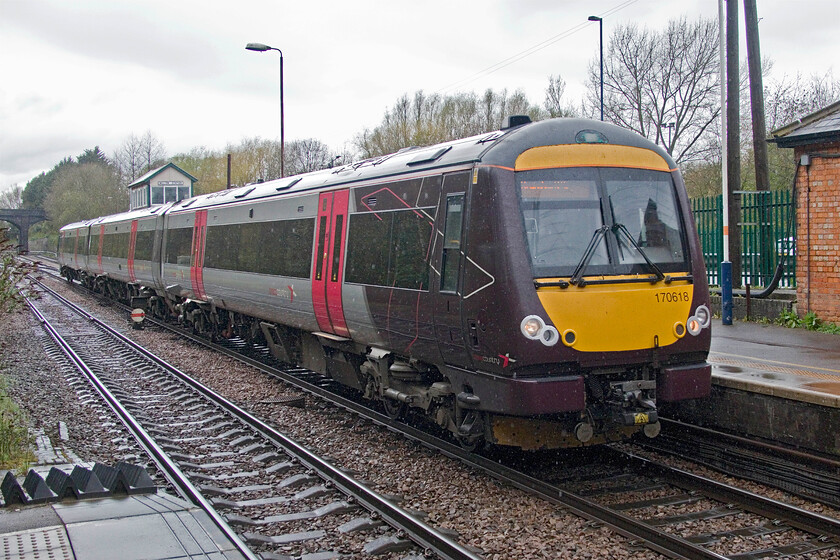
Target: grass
(16, 443)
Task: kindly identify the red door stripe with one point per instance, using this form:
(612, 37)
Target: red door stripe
(328, 265)
(197, 264)
(335, 306)
(321, 261)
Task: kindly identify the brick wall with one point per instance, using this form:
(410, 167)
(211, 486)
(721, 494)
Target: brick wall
(818, 232)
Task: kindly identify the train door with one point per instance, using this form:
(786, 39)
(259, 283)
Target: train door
(197, 254)
(328, 265)
(75, 248)
(448, 260)
(132, 243)
(99, 251)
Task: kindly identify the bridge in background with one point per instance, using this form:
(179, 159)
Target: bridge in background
(23, 220)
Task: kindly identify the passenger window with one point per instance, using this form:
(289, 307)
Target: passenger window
(452, 243)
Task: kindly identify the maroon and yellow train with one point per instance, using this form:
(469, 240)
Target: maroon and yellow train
(540, 286)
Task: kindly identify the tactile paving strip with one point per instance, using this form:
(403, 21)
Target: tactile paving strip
(51, 542)
(716, 358)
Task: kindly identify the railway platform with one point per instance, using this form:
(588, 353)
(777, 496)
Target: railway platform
(154, 526)
(772, 382)
(792, 363)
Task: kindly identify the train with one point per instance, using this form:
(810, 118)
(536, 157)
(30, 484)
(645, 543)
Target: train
(541, 286)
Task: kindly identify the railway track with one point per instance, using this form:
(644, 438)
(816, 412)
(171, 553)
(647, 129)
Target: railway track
(799, 530)
(259, 486)
(669, 511)
(804, 474)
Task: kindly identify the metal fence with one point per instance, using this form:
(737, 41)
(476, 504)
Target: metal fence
(767, 214)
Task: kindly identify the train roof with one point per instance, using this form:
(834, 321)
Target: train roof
(130, 215)
(499, 148)
(405, 162)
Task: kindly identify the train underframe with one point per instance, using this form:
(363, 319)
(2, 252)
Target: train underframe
(619, 402)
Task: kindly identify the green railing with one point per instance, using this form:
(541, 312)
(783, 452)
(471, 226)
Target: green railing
(763, 214)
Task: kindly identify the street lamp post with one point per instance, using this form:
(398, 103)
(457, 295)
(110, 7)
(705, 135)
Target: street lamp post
(601, 30)
(259, 47)
(670, 127)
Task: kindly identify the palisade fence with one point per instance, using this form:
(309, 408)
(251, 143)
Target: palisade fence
(763, 213)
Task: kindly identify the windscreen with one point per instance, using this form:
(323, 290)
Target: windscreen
(621, 215)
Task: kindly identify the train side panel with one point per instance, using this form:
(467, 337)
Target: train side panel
(257, 258)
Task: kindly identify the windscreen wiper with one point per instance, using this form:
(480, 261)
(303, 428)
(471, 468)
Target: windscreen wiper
(577, 276)
(620, 228)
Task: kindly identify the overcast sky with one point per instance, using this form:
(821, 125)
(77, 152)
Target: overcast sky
(79, 73)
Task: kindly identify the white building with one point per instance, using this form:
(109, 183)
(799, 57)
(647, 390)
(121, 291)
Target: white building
(165, 184)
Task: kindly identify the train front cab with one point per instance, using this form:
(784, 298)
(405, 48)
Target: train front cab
(604, 282)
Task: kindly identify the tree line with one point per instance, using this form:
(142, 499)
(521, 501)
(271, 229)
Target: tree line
(662, 84)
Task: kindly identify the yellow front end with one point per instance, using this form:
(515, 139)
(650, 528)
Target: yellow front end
(618, 317)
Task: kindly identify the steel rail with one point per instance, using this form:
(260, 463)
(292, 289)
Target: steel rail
(171, 471)
(808, 521)
(762, 446)
(802, 473)
(657, 540)
(422, 534)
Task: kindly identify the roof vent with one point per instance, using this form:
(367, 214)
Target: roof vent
(516, 120)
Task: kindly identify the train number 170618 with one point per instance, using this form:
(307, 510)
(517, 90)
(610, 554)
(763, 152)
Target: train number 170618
(672, 297)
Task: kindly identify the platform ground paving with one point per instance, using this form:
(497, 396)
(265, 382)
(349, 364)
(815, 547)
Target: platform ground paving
(795, 364)
(143, 527)
(150, 527)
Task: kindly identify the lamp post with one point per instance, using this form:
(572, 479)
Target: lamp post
(601, 30)
(670, 127)
(259, 47)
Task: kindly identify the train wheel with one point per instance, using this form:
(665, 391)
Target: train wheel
(394, 409)
(469, 434)
(468, 444)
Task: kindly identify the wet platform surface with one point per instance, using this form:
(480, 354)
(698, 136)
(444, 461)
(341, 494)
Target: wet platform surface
(795, 364)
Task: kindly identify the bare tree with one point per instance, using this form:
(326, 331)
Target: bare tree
(663, 85)
(554, 104)
(12, 198)
(307, 155)
(137, 155)
(791, 98)
(430, 119)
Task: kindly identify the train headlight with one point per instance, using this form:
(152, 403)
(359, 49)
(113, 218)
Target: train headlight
(534, 328)
(702, 314)
(699, 321)
(531, 326)
(549, 336)
(693, 325)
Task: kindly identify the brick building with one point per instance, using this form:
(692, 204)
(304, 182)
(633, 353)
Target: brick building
(815, 140)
